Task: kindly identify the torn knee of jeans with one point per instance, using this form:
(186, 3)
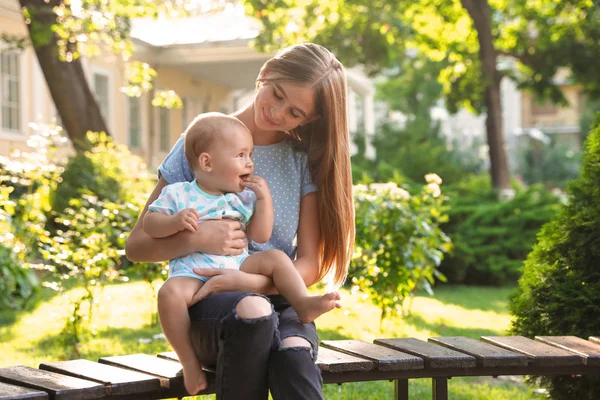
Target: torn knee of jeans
(299, 348)
(252, 320)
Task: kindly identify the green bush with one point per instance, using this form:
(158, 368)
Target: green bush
(491, 238)
(559, 292)
(412, 153)
(552, 164)
(398, 242)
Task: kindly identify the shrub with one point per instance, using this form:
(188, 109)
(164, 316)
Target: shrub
(398, 242)
(412, 153)
(491, 238)
(559, 292)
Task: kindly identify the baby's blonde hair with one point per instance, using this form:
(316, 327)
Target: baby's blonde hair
(202, 133)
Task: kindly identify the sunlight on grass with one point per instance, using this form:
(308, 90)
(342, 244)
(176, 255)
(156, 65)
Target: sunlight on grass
(121, 319)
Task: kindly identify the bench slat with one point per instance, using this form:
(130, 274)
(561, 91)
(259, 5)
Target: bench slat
(386, 358)
(589, 351)
(118, 381)
(333, 361)
(168, 355)
(435, 356)
(60, 387)
(539, 353)
(13, 392)
(167, 371)
(485, 354)
(595, 339)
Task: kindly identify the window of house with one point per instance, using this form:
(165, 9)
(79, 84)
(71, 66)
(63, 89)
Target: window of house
(164, 129)
(9, 91)
(101, 89)
(135, 122)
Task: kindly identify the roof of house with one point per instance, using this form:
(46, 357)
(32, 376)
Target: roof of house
(230, 24)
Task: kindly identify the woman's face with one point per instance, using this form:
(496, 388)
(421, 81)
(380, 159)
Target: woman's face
(283, 106)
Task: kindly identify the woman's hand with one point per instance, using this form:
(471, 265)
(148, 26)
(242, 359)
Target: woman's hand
(231, 280)
(222, 237)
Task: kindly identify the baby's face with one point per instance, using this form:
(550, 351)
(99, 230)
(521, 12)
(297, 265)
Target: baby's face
(232, 158)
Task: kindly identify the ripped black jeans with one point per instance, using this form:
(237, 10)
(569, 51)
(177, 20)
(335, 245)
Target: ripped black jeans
(246, 353)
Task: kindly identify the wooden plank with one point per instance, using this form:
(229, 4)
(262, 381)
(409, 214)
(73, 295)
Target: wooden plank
(172, 356)
(385, 358)
(485, 354)
(59, 387)
(118, 381)
(538, 353)
(333, 361)
(168, 355)
(594, 339)
(435, 356)
(13, 392)
(588, 351)
(167, 371)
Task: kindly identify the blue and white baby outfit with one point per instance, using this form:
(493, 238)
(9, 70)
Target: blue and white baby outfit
(181, 195)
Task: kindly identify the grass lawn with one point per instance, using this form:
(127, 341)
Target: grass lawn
(120, 325)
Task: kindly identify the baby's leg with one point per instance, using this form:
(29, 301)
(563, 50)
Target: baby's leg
(277, 265)
(174, 298)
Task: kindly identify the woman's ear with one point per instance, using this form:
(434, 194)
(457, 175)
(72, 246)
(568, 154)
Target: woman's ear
(310, 119)
(205, 162)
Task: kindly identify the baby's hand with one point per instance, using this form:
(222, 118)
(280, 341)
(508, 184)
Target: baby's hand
(259, 186)
(187, 219)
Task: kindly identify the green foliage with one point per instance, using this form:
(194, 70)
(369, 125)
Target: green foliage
(559, 292)
(108, 171)
(552, 165)
(74, 232)
(399, 243)
(17, 284)
(416, 151)
(492, 238)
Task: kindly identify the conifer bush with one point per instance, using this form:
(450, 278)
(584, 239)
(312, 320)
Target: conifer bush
(559, 292)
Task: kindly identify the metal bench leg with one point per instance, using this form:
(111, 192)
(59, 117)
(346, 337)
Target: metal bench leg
(439, 388)
(401, 389)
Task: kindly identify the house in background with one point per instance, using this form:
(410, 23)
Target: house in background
(206, 59)
(524, 118)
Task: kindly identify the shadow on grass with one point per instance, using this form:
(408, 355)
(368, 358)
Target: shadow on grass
(11, 317)
(103, 343)
(441, 329)
(474, 297)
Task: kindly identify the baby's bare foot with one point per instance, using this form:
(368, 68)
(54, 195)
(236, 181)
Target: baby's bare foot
(313, 306)
(194, 378)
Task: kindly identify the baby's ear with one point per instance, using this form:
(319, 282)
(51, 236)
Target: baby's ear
(205, 162)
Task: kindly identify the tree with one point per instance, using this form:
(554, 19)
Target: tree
(60, 35)
(469, 35)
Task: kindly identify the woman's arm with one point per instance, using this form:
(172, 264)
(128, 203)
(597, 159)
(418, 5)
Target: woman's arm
(224, 237)
(307, 258)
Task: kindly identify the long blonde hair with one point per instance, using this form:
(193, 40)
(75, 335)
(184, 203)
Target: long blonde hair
(326, 142)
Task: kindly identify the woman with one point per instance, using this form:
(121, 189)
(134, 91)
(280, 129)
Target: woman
(299, 127)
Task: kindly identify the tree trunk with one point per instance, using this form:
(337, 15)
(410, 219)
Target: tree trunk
(479, 11)
(68, 86)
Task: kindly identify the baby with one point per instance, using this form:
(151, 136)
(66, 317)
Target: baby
(219, 150)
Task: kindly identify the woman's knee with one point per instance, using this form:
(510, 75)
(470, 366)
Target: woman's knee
(294, 341)
(253, 307)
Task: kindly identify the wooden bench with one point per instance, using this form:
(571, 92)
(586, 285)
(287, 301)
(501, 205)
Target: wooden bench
(141, 376)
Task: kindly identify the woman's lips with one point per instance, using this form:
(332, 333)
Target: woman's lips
(268, 120)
